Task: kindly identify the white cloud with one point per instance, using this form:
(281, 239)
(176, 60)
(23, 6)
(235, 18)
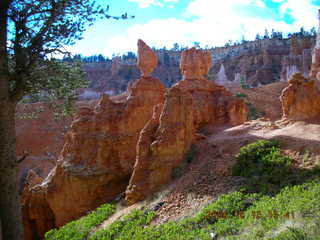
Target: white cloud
(149, 3)
(214, 24)
(157, 33)
(303, 12)
(146, 3)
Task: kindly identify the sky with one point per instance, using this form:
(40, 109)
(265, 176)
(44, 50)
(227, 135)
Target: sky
(161, 23)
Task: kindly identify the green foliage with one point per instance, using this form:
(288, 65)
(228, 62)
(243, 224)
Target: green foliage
(264, 166)
(227, 206)
(137, 226)
(251, 155)
(57, 84)
(298, 204)
(293, 234)
(233, 216)
(79, 229)
(131, 225)
(36, 32)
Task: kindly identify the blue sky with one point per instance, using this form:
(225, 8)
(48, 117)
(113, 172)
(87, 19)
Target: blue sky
(211, 22)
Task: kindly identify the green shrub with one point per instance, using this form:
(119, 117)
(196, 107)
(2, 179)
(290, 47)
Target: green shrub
(79, 229)
(267, 170)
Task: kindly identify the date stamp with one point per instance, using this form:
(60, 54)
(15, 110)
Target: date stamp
(274, 214)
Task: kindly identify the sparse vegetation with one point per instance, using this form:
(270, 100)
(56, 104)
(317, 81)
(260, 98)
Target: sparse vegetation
(267, 169)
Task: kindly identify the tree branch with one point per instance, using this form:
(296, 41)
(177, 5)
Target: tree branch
(25, 154)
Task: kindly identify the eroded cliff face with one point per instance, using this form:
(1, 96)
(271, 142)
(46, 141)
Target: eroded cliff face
(98, 155)
(189, 105)
(301, 98)
(299, 59)
(256, 63)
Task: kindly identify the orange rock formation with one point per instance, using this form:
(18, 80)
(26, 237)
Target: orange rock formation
(300, 99)
(98, 155)
(140, 136)
(189, 105)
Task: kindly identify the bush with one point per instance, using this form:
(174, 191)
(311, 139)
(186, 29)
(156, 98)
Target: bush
(251, 155)
(264, 165)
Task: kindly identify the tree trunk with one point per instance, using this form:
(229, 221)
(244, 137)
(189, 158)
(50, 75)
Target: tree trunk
(10, 209)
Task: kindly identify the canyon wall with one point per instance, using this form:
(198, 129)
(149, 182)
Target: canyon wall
(254, 63)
